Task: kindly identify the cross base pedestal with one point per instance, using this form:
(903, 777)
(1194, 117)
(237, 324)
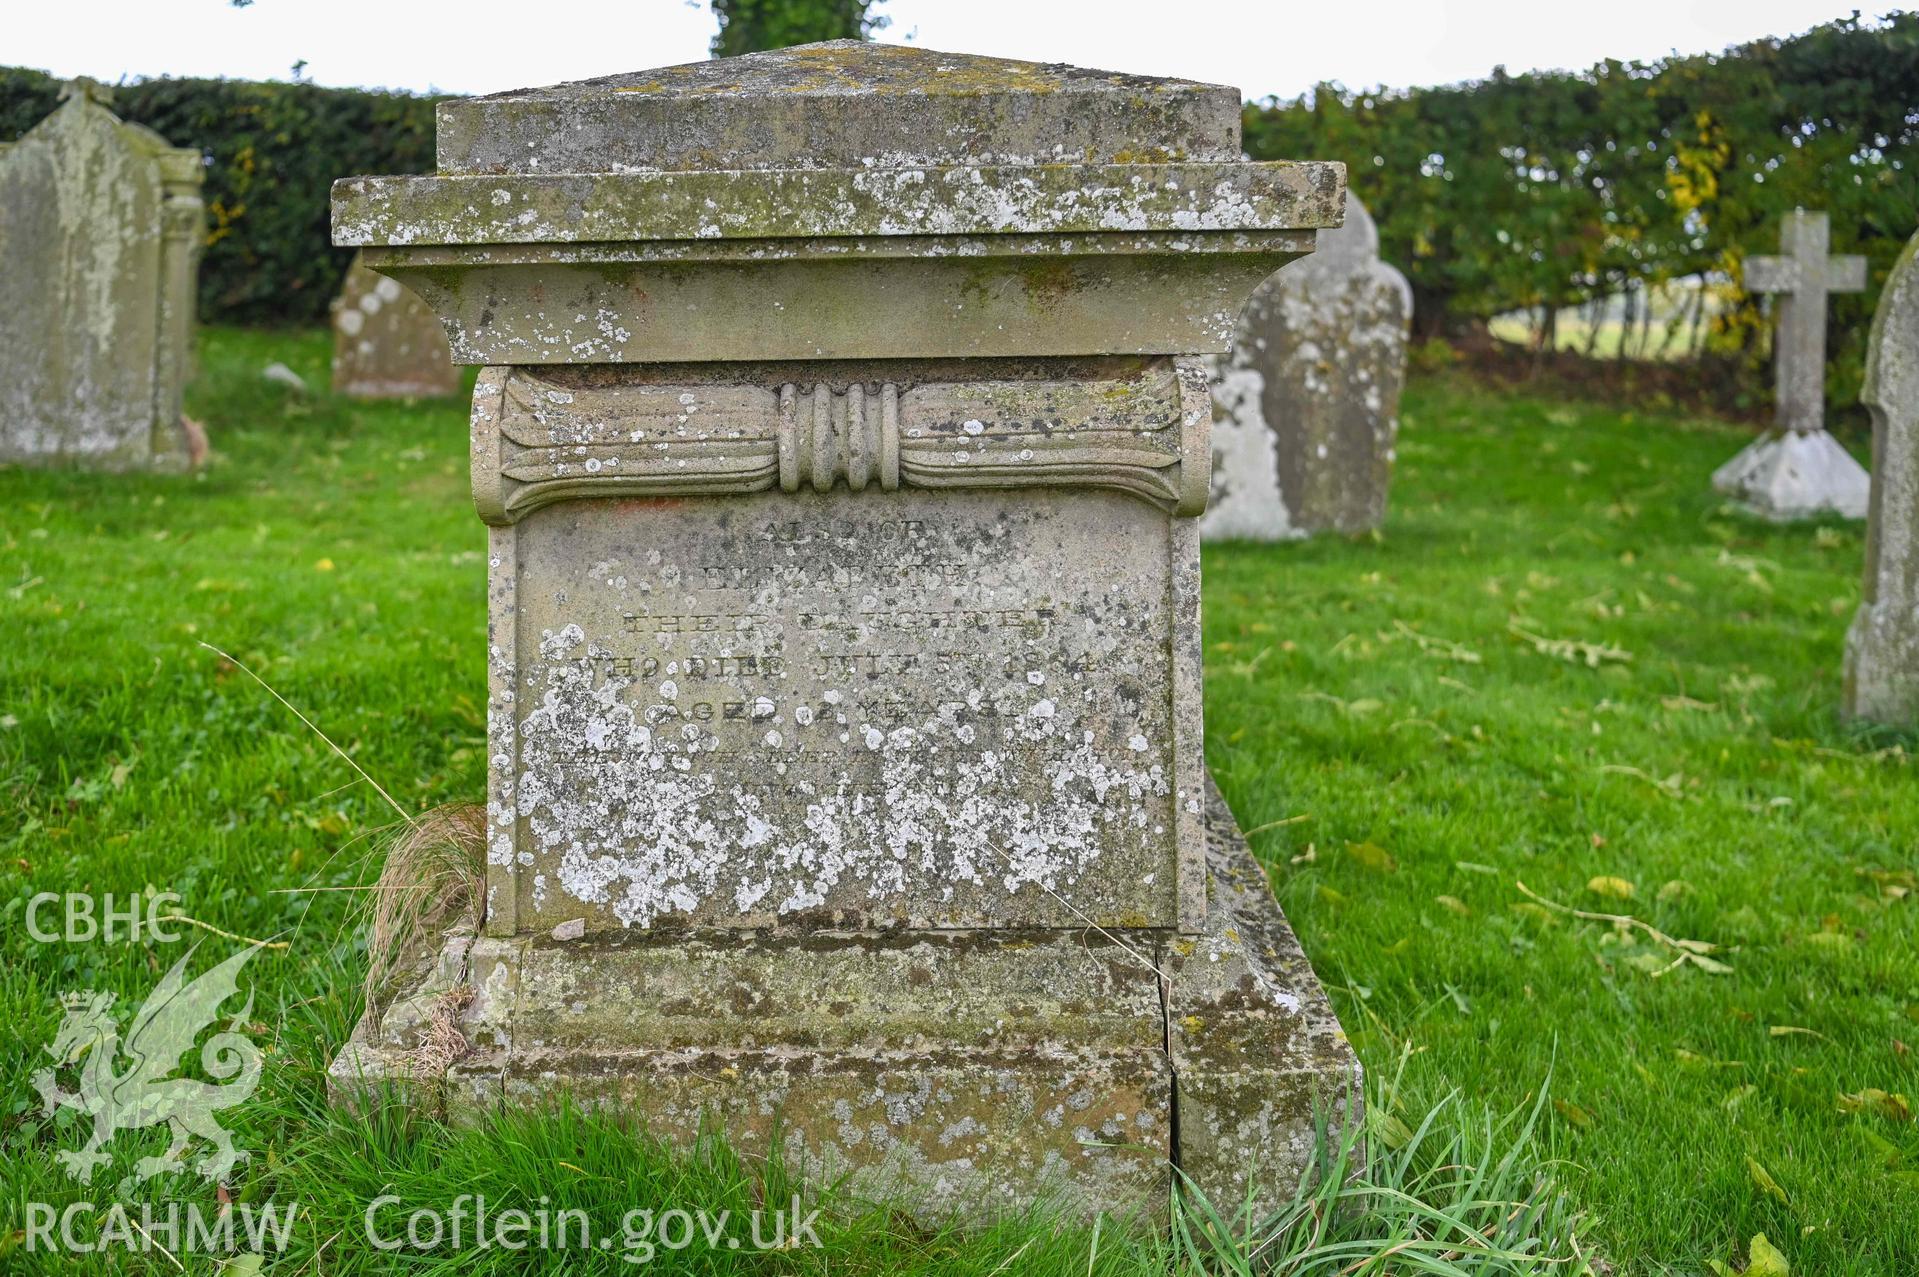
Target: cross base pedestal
(1791, 474)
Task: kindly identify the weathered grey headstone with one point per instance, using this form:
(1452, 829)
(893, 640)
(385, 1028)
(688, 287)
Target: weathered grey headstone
(101, 228)
(842, 436)
(1882, 648)
(1308, 400)
(387, 343)
(1797, 470)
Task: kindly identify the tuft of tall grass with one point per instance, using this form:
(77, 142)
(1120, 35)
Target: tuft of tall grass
(1464, 1192)
(433, 878)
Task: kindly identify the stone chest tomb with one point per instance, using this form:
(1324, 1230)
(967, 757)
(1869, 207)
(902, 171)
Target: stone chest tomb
(842, 438)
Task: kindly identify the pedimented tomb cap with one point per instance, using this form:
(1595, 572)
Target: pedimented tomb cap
(841, 104)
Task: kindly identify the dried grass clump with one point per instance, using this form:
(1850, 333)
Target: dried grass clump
(442, 1043)
(434, 879)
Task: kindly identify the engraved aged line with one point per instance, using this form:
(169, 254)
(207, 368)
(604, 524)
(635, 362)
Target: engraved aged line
(841, 433)
(1798, 470)
(102, 226)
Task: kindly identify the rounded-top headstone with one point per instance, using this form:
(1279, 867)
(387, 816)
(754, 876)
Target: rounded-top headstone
(101, 228)
(841, 103)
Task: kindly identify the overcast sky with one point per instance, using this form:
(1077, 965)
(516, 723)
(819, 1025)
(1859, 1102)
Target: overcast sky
(1263, 46)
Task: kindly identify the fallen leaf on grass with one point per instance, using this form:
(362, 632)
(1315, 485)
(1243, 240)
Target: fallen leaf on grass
(1278, 824)
(1445, 648)
(1577, 1116)
(1894, 1108)
(1606, 885)
(1894, 884)
(1697, 1060)
(1388, 1128)
(1881, 1149)
(1574, 651)
(1673, 786)
(1766, 1183)
(1364, 705)
(1371, 855)
(1763, 1259)
(1455, 904)
(1789, 1030)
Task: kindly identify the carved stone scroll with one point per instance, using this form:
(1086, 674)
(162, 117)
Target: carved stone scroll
(540, 439)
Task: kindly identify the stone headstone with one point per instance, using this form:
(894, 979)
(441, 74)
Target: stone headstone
(1797, 470)
(1308, 400)
(842, 436)
(101, 228)
(387, 343)
(1882, 647)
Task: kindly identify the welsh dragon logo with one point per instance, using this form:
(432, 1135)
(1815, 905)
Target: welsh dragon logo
(142, 1094)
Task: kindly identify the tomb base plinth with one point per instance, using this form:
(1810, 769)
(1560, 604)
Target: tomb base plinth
(948, 1071)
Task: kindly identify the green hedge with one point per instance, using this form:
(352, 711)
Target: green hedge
(1534, 190)
(1549, 189)
(273, 150)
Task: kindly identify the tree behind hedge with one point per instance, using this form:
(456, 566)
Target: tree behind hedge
(1546, 190)
(273, 151)
(750, 26)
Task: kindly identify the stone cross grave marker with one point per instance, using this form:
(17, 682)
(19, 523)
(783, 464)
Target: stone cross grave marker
(1882, 647)
(1798, 470)
(1308, 400)
(387, 343)
(841, 435)
(100, 230)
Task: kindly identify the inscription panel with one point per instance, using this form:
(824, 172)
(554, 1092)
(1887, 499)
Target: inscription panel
(873, 710)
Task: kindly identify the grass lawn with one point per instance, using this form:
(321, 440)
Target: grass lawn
(1562, 665)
